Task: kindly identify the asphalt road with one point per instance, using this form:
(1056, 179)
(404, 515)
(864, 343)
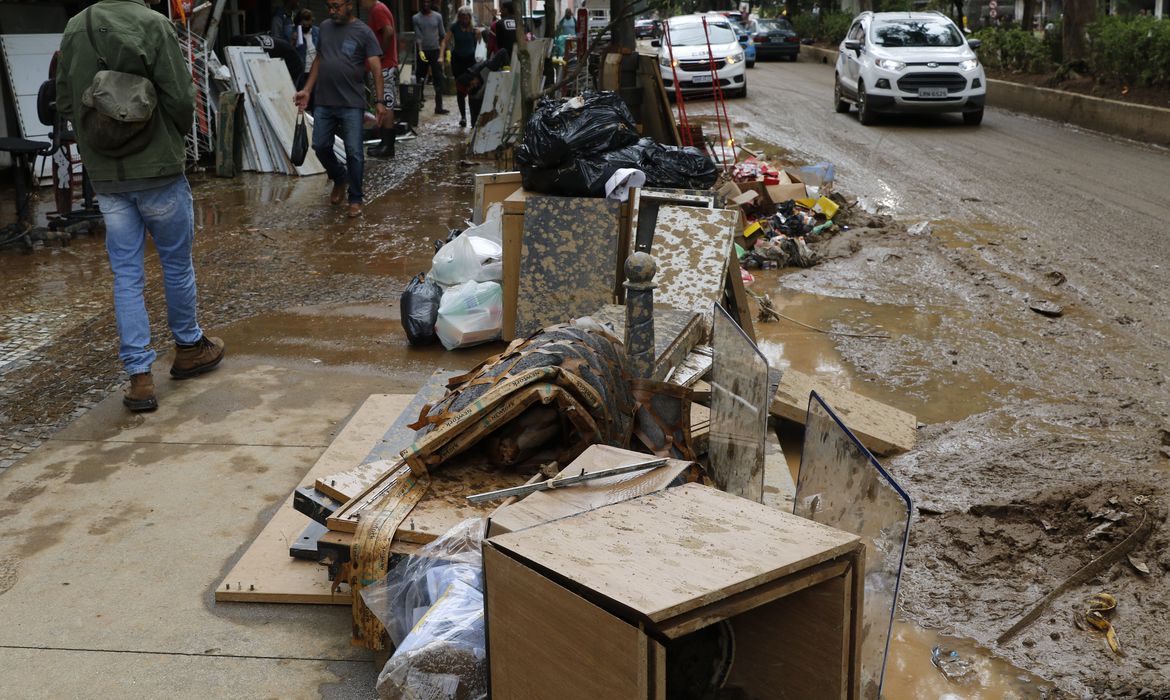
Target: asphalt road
(1092, 206)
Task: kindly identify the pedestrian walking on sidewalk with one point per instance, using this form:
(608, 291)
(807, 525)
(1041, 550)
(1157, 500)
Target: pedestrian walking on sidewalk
(428, 33)
(462, 37)
(137, 170)
(337, 82)
(382, 24)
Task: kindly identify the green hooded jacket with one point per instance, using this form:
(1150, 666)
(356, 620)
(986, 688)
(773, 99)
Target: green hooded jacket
(133, 39)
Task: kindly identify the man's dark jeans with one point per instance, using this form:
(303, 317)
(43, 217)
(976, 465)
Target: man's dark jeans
(345, 122)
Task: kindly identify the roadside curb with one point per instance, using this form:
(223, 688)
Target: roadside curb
(1133, 121)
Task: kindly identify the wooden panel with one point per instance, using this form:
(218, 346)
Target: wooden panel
(548, 643)
(676, 333)
(692, 247)
(671, 552)
(489, 189)
(796, 647)
(266, 573)
(513, 241)
(567, 259)
(882, 428)
(349, 483)
(545, 506)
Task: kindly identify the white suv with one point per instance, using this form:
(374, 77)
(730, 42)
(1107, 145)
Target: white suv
(687, 52)
(908, 62)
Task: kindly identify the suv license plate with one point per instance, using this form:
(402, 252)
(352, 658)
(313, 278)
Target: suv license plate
(933, 93)
(701, 79)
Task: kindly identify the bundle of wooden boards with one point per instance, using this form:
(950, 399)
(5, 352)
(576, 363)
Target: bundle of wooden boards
(269, 113)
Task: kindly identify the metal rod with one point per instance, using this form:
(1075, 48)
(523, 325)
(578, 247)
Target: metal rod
(565, 481)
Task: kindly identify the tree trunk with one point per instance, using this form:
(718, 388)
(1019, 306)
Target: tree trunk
(793, 7)
(1077, 15)
(1026, 22)
(622, 34)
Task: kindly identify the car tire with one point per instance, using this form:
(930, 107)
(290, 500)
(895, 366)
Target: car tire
(793, 57)
(751, 64)
(840, 105)
(974, 117)
(865, 114)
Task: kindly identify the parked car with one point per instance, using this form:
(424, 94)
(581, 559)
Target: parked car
(745, 40)
(774, 38)
(646, 28)
(908, 62)
(688, 44)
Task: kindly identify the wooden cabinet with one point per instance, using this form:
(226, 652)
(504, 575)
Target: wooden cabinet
(598, 605)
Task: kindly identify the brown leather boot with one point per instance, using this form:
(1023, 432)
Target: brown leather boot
(201, 357)
(337, 194)
(139, 396)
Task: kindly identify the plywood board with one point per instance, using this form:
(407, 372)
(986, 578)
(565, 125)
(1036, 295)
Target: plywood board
(501, 95)
(692, 247)
(880, 427)
(347, 484)
(567, 259)
(266, 573)
(578, 653)
(668, 553)
(545, 506)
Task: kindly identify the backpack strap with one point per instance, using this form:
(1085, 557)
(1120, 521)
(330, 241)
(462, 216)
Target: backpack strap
(89, 30)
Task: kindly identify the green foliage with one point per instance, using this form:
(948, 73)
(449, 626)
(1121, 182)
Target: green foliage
(1130, 50)
(1014, 51)
(829, 27)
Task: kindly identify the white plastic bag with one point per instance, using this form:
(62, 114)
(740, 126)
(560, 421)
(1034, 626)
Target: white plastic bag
(480, 51)
(470, 313)
(468, 258)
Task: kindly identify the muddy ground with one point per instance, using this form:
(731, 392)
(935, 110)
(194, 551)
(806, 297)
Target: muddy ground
(1036, 431)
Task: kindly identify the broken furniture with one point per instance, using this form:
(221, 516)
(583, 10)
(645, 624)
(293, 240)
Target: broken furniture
(640, 598)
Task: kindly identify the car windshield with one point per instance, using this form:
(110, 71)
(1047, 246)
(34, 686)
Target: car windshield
(774, 25)
(916, 33)
(692, 34)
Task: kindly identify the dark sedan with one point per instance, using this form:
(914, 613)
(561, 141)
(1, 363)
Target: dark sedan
(647, 28)
(775, 38)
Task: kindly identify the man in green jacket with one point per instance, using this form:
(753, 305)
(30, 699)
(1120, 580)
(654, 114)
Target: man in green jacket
(141, 186)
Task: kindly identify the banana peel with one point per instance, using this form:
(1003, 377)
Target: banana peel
(1101, 607)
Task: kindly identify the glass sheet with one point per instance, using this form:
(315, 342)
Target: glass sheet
(739, 409)
(841, 484)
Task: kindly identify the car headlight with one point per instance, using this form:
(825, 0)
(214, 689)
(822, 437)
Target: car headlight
(735, 58)
(889, 64)
(664, 61)
(969, 65)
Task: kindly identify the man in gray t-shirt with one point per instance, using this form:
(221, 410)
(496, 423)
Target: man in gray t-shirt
(428, 34)
(347, 50)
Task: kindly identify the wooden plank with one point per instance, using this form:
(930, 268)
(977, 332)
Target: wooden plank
(567, 259)
(266, 573)
(346, 485)
(880, 427)
(489, 189)
(668, 553)
(549, 644)
(546, 506)
(513, 242)
(738, 307)
(276, 106)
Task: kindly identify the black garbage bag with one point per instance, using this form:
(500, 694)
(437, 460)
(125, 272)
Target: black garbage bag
(586, 176)
(685, 168)
(559, 131)
(419, 308)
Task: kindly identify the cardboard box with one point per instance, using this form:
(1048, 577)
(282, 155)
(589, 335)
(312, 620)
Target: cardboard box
(595, 605)
(790, 187)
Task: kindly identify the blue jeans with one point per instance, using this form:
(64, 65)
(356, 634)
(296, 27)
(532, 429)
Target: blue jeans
(345, 122)
(168, 214)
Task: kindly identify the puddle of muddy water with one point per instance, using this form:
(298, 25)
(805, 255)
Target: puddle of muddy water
(910, 674)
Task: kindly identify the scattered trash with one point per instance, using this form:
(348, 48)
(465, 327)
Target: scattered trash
(953, 667)
(431, 605)
(468, 258)
(922, 228)
(1047, 308)
(768, 311)
(1101, 608)
(419, 308)
(470, 314)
